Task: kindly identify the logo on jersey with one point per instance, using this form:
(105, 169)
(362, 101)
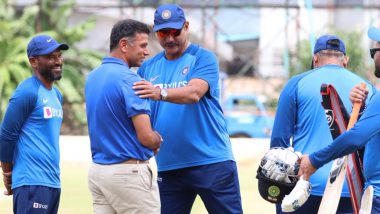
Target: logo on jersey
(172, 84)
(45, 100)
(50, 112)
(153, 78)
(185, 70)
(40, 206)
(47, 112)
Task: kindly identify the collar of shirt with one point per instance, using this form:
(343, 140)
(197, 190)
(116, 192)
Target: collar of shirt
(114, 60)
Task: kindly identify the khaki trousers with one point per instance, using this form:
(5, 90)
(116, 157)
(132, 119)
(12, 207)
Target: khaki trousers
(123, 188)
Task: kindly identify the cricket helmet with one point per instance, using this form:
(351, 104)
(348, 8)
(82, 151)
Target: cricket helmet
(277, 173)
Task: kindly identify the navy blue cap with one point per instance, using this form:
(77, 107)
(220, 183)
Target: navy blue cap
(43, 44)
(168, 16)
(374, 34)
(329, 42)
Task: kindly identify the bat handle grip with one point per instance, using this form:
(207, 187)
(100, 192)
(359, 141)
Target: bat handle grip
(355, 110)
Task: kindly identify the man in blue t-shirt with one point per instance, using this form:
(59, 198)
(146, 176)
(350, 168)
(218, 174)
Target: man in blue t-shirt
(366, 132)
(301, 117)
(29, 137)
(122, 140)
(182, 83)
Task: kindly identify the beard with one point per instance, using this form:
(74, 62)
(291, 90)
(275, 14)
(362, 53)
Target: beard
(377, 70)
(49, 74)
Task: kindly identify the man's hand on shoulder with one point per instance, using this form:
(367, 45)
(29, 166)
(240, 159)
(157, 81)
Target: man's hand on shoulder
(145, 89)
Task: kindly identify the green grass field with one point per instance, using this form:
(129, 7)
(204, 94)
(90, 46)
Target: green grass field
(76, 198)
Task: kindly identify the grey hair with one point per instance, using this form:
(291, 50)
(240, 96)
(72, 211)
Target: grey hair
(331, 54)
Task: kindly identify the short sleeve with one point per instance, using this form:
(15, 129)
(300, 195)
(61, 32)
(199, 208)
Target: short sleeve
(133, 103)
(206, 68)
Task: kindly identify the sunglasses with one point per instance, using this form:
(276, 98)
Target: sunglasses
(171, 32)
(373, 51)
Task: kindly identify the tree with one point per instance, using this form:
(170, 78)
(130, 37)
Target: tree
(13, 60)
(301, 59)
(47, 17)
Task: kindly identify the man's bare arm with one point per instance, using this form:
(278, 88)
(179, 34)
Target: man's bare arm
(7, 177)
(145, 133)
(191, 93)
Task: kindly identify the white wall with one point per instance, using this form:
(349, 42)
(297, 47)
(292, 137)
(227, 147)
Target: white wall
(273, 24)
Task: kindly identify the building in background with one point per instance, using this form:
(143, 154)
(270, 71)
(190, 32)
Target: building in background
(250, 37)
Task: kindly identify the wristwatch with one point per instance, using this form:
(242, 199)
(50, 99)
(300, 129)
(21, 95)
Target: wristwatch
(164, 94)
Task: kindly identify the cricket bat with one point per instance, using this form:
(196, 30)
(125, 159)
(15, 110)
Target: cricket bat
(333, 190)
(366, 205)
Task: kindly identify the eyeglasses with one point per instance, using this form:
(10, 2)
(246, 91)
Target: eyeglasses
(171, 32)
(373, 51)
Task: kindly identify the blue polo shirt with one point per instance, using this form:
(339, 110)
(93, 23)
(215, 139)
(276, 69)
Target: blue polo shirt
(110, 105)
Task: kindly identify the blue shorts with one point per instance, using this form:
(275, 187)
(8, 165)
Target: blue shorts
(36, 199)
(217, 185)
(312, 205)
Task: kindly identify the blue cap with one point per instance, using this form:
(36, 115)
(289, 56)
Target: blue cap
(168, 16)
(329, 42)
(43, 44)
(374, 34)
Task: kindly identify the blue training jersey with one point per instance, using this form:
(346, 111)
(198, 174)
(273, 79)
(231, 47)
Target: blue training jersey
(300, 115)
(366, 129)
(194, 134)
(29, 134)
(110, 105)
